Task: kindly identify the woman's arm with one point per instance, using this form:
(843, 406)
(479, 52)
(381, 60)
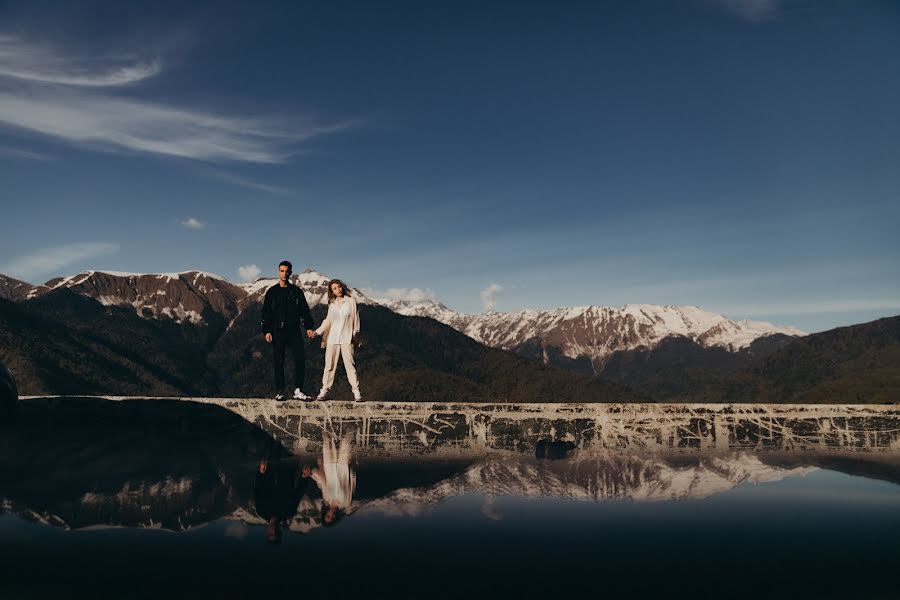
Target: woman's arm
(326, 323)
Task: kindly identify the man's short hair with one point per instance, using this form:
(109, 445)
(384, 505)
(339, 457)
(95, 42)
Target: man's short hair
(286, 263)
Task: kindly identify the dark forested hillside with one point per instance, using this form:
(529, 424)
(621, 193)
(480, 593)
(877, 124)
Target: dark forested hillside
(63, 343)
(860, 363)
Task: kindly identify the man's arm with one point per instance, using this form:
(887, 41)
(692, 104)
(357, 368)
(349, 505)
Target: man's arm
(266, 323)
(305, 314)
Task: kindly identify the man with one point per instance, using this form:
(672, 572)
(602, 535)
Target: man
(284, 309)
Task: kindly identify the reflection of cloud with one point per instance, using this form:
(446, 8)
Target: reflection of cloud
(488, 296)
(192, 223)
(755, 11)
(237, 529)
(249, 272)
(46, 260)
(44, 91)
(489, 509)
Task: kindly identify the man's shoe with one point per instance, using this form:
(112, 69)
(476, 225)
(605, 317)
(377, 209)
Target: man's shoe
(279, 397)
(299, 395)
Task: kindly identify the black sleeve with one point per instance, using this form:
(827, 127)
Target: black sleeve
(266, 323)
(303, 305)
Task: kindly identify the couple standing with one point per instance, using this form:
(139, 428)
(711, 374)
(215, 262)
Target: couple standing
(285, 312)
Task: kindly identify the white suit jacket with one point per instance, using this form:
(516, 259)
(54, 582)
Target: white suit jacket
(351, 324)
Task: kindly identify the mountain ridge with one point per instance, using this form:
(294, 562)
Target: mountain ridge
(566, 336)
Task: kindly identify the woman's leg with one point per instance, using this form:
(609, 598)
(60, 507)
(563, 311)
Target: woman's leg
(350, 367)
(331, 355)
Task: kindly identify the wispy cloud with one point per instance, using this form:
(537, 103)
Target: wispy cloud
(249, 272)
(25, 154)
(192, 223)
(489, 296)
(247, 183)
(401, 294)
(47, 260)
(40, 95)
(813, 308)
(40, 63)
(755, 11)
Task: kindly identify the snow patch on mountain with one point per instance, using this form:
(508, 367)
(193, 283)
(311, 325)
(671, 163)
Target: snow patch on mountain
(596, 331)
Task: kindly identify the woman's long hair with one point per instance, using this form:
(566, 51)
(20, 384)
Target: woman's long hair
(344, 287)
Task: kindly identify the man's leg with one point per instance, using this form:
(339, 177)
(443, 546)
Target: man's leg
(299, 353)
(278, 360)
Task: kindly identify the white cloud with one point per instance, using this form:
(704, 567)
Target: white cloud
(47, 260)
(40, 63)
(755, 11)
(87, 113)
(401, 294)
(249, 272)
(192, 223)
(488, 298)
(248, 183)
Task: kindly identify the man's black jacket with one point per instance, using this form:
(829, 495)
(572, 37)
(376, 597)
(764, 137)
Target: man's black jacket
(285, 310)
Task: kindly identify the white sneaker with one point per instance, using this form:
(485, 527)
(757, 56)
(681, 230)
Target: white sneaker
(357, 397)
(279, 396)
(299, 395)
(323, 395)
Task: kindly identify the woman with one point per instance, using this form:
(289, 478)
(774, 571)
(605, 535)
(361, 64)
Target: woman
(339, 331)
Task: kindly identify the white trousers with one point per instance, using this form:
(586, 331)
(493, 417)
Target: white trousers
(331, 357)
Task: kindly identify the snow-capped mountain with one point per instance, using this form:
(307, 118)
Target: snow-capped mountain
(13, 289)
(189, 297)
(313, 284)
(593, 333)
(596, 332)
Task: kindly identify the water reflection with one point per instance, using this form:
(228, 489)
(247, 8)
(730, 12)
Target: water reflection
(277, 492)
(83, 463)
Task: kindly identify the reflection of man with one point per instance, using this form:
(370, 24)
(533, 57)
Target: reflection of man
(336, 478)
(284, 311)
(276, 493)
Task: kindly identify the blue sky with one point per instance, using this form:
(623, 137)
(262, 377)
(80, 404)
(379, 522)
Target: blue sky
(739, 155)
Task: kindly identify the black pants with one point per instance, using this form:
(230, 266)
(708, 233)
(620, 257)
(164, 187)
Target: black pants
(294, 341)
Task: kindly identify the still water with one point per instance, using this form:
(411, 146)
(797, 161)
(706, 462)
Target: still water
(167, 498)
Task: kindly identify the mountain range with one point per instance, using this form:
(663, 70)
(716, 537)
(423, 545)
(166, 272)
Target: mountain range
(200, 333)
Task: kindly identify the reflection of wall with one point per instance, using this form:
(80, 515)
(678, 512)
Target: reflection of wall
(410, 428)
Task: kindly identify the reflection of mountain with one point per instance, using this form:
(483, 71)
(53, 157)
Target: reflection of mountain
(592, 477)
(86, 462)
(89, 462)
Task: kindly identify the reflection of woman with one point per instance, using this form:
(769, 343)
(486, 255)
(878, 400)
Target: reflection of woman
(336, 478)
(339, 333)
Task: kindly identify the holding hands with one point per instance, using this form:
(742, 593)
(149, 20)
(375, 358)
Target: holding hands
(311, 333)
